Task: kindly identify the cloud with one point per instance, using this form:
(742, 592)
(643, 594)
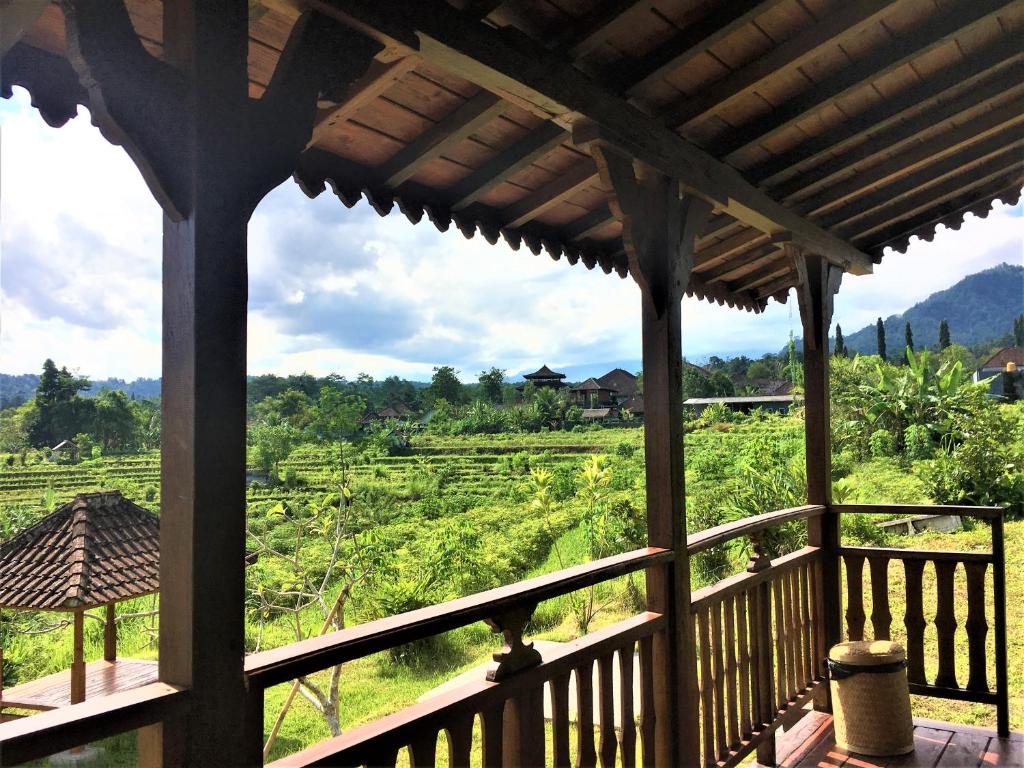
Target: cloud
(344, 290)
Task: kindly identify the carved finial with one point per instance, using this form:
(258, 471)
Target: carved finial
(516, 655)
(759, 559)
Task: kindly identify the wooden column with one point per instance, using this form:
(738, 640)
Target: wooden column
(110, 634)
(78, 659)
(660, 223)
(819, 281)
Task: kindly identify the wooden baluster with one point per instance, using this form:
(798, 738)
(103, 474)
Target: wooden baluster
(807, 628)
(524, 728)
(792, 644)
(914, 621)
(818, 639)
(647, 715)
(423, 750)
(945, 623)
(560, 720)
(608, 744)
(492, 735)
(761, 643)
(586, 754)
(781, 685)
(854, 597)
(744, 663)
(707, 703)
(718, 672)
(881, 616)
(731, 702)
(977, 626)
(627, 728)
(460, 741)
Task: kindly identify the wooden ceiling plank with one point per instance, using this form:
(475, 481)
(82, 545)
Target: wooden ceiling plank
(896, 235)
(707, 257)
(784, 283)
(769, 271)
(691, 42)
(847, 19)
(16, 19)
(904, 181)
(898, 136)
(747, 260)
(514, 66)
(912, 156)
(584, 35)
(432, 143)
(588, 224)
(932, 196)
(376, 81)
(938, 31)
(523, 153)
(548, 196)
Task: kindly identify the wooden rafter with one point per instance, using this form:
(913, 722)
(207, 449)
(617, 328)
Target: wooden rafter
(509, 162)
(581, 38)
(946, 93)
(769, 270)
(548, 196)
(846, 20)
(443, 135)
(902, 50)
(529, 73)
(777, 287)
(709, 256)
(588, 223)
(749, 259)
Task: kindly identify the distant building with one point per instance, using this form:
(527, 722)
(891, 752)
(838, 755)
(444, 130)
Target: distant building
(763, 386)
(600, 414)
(1006, 369)
(545, 377)
(621, 382)
(634, 406)
(745, 404)
(65, 449)
(592, 394)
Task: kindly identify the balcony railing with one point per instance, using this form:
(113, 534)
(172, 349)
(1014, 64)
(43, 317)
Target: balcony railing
(759, 639)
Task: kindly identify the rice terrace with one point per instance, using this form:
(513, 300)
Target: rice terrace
(512, 383)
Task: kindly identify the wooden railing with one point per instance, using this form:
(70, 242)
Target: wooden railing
(946, 566)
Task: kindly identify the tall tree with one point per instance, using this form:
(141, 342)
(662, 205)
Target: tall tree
(1018, 331)
(490, 384)
(943, 334)
(60, 412)
(445, 385)
(908, 334)
(880, 333)
(840, 347)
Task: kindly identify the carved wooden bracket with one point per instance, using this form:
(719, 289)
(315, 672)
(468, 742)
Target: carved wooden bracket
(49, 79)
(146, 105)
(659, 223)
(759, 559)
(819, 282)
(516, 656)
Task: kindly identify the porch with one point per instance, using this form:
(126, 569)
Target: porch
(684, 202)
(102, 678)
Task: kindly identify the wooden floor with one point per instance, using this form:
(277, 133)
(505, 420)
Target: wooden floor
(811, 744)
(101, 679)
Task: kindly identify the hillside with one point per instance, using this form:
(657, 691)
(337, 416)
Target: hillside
(980, 308)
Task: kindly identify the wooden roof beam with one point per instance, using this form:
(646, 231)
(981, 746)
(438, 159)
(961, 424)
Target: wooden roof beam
(750, 259)
(775, 287)
(507, 63)
(929, 197)
(581, 36)
(935, 32)
(520, 155)
(589, 223)
(16, 19)
(443, 135)
(548, 196)
(380, 77)
(719, 251)
(948, 92)
(968, 157)
(692, 41)
(897, 235)
(848, 19)
(771, 270)
(905, 137)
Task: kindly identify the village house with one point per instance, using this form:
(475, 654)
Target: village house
(543, 377)
(1006, 370)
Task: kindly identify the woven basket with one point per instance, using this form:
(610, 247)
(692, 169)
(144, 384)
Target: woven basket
(870, 698)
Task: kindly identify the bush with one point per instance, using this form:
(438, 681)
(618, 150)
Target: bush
(882, 443)
(917, 443)
(860, 530)
(842, 464)
(625, 449)
(149, 494)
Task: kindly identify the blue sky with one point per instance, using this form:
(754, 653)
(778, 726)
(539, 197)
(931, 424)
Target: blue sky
(334, 289)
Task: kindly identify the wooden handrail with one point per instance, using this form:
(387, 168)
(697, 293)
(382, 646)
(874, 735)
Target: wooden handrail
(720, 534)
(936, 555)
(286, 663)
(743, 581)
(918, 509)
(31, 738)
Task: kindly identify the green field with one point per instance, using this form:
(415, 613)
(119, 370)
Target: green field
(463, 509)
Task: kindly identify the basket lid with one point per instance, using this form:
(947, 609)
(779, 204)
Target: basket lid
(867, 653)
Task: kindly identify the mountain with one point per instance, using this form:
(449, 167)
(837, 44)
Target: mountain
(980, 308)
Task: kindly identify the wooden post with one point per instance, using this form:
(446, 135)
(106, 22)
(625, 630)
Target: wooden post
(110, 634)
(660, 224)
(819, 281)
(78, 660)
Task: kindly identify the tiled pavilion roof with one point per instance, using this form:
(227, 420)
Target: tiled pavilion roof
(96, 549)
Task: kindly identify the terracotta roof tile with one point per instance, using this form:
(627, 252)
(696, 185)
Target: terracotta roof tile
(95, 549)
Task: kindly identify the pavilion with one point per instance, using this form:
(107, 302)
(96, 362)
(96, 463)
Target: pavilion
(737, 151)
(545, 377)
(93, 552)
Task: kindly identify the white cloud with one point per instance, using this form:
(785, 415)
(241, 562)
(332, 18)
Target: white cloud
(333, 289)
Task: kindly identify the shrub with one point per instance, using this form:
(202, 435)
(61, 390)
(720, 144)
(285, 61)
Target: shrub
(842, 464)
(625, 449)
(882, 443)
(149, 494)
(861, 530)
(917, 443)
